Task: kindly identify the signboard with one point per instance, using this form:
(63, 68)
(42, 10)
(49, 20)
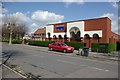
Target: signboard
(60, 27)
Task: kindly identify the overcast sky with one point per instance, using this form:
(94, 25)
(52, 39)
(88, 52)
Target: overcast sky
(38, 14)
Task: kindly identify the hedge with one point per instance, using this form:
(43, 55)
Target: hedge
(94, 47)
(103, 47)
(4, 40)
(39, 43)
(76, 45)
(13, 41)
(17, 41)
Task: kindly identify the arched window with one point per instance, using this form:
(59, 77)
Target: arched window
(75, 33)
(59, 36)
(48, 34)
(72, 35)
(86, 36)
(78, 35)
(65, 36)
(54, 36)
(95, 36)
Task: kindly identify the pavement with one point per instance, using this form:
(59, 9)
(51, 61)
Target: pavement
(107, 56)
(103, 56)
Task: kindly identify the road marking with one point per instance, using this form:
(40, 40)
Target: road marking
(79, 58)
(82, 65)
(39, 56)
(63, 61)
(98, 69)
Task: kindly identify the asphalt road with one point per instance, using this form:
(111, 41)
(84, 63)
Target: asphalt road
(40, 61)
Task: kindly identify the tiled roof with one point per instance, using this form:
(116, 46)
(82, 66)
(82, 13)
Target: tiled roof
(40, 31)
(32, 34)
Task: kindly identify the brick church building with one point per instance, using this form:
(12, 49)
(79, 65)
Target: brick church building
(88, 31)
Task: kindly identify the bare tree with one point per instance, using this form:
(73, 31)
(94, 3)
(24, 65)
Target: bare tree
(12, 23)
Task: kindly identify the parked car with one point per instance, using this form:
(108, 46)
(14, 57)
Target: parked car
(60, 46)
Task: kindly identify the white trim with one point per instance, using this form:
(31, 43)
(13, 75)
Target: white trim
(50, 29)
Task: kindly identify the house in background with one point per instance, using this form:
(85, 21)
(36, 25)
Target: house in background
(39, 34)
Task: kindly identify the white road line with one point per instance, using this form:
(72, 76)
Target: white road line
(79, 58)
(39, 56)
(99, 69)
(14, 71)
(63, 61)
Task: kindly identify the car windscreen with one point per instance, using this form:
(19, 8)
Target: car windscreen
(63, 44)
(54, 44)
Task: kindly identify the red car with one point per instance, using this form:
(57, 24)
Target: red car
(60, 46)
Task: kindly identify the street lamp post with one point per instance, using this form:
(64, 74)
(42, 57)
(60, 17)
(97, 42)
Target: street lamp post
(10, 41)
(10, 28)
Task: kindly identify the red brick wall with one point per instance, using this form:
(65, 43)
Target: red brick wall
(114, 37)
(98, 24)
(103, 24)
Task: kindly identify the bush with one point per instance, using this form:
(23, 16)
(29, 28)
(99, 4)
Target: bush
(76, 45)
(103, 47)
(94, 47)
(13, 41)
(16, 41)
(5, 40)
(40, 43)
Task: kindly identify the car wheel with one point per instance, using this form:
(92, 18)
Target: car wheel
(50, 49)
(64, 51)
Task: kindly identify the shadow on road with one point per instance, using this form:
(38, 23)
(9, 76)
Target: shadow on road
(14, 53)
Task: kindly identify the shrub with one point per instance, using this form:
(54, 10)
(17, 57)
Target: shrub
(40, 43)
(112, 47)
(103, 47)
(76, 45)
(16, 41)
(94, 47)
(5, 40)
